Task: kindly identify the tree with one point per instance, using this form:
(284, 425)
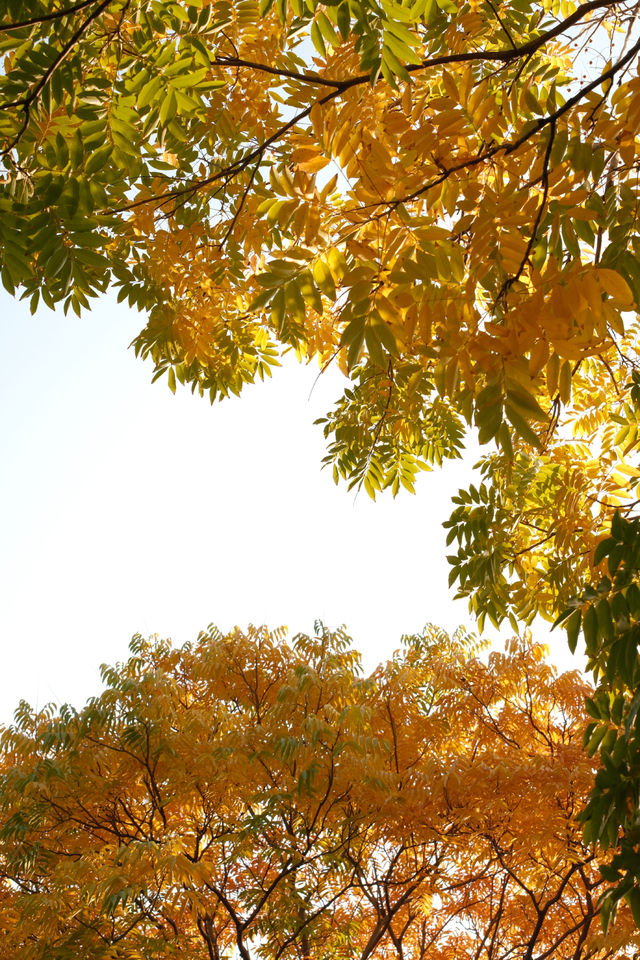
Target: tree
(439, 197)
(240, 794)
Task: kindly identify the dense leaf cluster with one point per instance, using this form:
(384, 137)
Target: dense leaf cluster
(441, 198)
(244, 796)
(608, 614)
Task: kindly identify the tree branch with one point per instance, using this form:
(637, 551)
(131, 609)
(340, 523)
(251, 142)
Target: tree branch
(46, 18)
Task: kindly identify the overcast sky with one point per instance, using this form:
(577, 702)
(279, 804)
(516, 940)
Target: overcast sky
(126, 509)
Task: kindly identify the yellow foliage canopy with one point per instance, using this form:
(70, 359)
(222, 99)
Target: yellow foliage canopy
(240, 794)
(439, 197)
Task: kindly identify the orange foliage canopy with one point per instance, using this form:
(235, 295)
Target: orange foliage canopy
(241, 797)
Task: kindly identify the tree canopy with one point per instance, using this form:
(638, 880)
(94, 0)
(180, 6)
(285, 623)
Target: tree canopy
(241, 794)
(439, 197)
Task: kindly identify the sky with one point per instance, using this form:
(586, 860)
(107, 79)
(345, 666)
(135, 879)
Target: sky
(126, 509)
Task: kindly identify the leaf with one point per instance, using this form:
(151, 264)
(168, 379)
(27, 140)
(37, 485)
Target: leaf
(324, 279)
(633, 899)
(616, 286)
(149, 91)
(596, 739)
(572, 626)
(525, 402)
(310, 291)
(565, 381)
(402, 52)
(168, 107)
(602, 550)
(317, 39)
(97, 160)
(590, 629)
(521, 426)
(395, 66)
(327, 29)
(344, 20)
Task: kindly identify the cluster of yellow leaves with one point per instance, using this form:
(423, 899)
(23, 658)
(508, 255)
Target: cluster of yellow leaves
(439, 189)
(240, 794)
(474, 217)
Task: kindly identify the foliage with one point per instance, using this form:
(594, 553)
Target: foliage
(608, 613)
(527, 536)
(240, 794)
(440, 197)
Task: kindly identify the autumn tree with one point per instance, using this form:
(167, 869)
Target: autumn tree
(240, 794)
(439, 197)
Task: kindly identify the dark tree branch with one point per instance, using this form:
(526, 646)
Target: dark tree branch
(540, 212)
(46, 18)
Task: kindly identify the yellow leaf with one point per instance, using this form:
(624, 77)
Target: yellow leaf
(552, 373)
(538, 357)
(615, 285)
(564, 382)
(450, 86)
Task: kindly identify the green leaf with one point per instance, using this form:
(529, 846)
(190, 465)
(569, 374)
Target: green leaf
(596, 739)
(62, 150)
(521, 426)
(310, 292)
(633, 899)
(344, 20)
(605, 620)
(384, 334)
(489, 420)
(602, 550)
(356, 344)
(525, 402)
(327, 30)
(572, 626)
(607, 911)
(168, 108)
(150, 91)
(399, 49)
(353, 331)
(393, 64)
(590, 629)
(98, 159)
(261, 300)
(278, 310)
(318, 40)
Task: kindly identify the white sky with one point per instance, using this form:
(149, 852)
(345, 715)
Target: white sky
(126, 509)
